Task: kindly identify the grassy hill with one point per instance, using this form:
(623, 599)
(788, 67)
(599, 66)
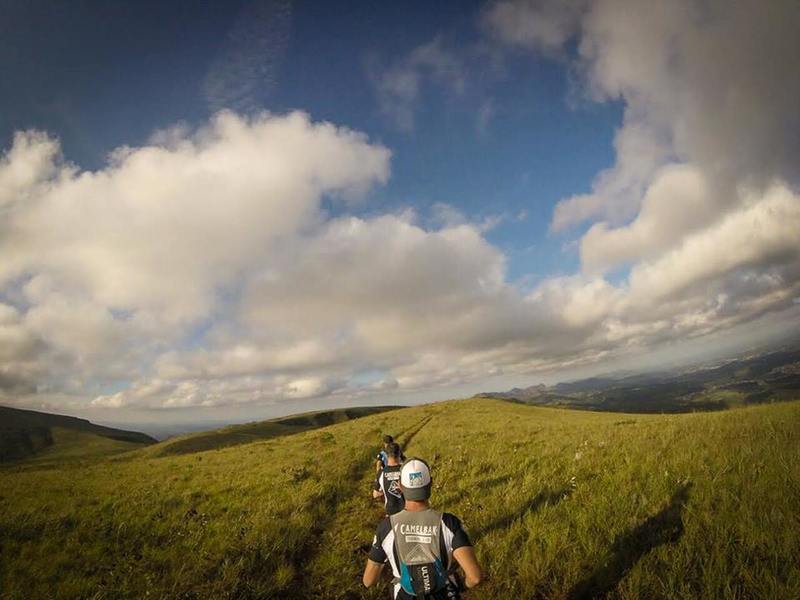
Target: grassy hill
(54, 438)
(235, 435)
(559, 504)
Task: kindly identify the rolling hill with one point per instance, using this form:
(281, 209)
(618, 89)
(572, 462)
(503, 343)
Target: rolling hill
(27, 433)
(559, 504)
(234, 435)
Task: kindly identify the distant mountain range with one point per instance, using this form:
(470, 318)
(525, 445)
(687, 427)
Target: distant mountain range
(754, 379)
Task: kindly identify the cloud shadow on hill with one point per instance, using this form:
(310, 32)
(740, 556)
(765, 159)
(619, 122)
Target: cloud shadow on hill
(665, 527)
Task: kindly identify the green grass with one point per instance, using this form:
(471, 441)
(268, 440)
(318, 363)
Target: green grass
(25, 434)
(558, 503)
(77, 446)
(235, 435)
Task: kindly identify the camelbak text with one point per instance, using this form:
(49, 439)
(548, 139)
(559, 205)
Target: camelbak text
(418, 529)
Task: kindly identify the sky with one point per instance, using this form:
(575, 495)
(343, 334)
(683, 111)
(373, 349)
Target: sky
(225, 211)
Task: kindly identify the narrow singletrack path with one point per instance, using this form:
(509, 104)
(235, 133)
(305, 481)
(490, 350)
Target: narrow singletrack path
(346, 528)
(408, 437)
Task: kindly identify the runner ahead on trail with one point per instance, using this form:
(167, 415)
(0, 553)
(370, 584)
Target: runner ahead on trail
(387, 483)
(382, 459)
(424, 547)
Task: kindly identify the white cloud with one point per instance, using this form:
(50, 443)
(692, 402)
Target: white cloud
(543, 25)
(308, 387)
(763, 235)
(400, 85)
(201, 271)
(29, 162)
(16, 342)
(701, 204)
(617, 191)
(711, 84)
(162, 229)
(116, 265)
(676, 204)
(421, 307)
(385, 283)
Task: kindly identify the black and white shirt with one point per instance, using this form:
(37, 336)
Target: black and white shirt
(388, 483)
(383, 547)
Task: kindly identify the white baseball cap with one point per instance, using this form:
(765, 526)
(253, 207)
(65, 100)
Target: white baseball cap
(415, 478)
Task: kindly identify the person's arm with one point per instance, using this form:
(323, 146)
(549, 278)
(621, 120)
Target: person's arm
(463, 551)
(377, 555)
(465, 556)
(377, 489)
(372, 573)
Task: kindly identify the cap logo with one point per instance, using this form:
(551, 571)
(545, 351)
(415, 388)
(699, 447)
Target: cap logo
(415, 477)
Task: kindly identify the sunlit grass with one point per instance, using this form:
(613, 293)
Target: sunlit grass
(558, 503)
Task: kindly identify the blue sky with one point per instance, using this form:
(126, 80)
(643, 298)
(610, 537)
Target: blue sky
(565, 164)
(103, 75)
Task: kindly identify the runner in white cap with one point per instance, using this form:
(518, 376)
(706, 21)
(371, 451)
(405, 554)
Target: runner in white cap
(424, 547)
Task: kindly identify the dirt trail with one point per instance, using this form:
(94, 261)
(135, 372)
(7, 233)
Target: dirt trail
(346, 528)
(413, 433)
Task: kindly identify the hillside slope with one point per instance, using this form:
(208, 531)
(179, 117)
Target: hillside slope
(559, 504)
(235, 435)
(24, 433)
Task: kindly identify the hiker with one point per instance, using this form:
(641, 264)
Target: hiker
(382, 458)
(387, 483)
(424, 547)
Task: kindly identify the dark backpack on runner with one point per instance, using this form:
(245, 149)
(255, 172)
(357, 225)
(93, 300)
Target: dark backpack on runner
(392, 492)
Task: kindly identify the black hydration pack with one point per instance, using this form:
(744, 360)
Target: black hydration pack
(392, 492)
(418, 540)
